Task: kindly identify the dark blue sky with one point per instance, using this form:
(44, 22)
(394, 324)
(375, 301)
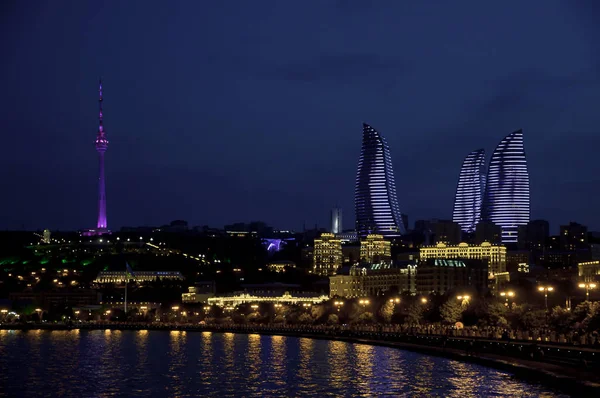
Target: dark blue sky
(230, 111)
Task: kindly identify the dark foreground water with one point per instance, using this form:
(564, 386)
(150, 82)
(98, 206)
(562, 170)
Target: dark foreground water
(142, 363)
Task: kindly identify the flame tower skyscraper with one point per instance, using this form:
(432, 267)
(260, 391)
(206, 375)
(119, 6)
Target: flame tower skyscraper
(375, 198)
(506, 201)
(101, 147)
(469, 191)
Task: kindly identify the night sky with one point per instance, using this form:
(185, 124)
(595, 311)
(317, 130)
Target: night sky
(224, 111)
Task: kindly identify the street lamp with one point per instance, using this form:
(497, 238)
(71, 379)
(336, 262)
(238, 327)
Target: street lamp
(40, 312)
(175, 308)
(363, 302)
(254, 307)
(307, 305)
(423, 300)
(587, 287)
(394, 300)
(338, 304)
(507, 295)
(546, 289)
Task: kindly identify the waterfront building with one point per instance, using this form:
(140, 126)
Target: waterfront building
(336, 220)
(494, 254)
(469, 191)
(281, 266)
(372, 280)
(375, 198)
(443, 275)
(138, 277)
(246, 298)
(589, 271)
(506, 201)
(57, 298)
(375, 249)
(327, 254)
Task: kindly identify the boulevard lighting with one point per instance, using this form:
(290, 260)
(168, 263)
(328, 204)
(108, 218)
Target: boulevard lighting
(587, 287)
(545, 290)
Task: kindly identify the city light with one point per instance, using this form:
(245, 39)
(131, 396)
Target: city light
(507, 295)
(545, 290)
(587, 287)
(423, 300)
(394, 300)
(364, 302)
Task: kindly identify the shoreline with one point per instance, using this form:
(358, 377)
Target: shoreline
(563, 378)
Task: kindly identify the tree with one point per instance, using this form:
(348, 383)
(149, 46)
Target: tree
(533, 319)
(451, 311)
(415, 314)
(560, 319)
(333, 319)
(387, 311)
(365, 317)
(305, 319)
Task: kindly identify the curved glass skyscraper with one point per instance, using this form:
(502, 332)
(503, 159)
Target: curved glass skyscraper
(469, 191)
(375, 199)
(507, 192)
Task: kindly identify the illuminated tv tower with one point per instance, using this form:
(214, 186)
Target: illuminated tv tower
(101, 147)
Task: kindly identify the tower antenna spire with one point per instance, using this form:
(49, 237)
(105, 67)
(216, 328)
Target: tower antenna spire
(100, 116)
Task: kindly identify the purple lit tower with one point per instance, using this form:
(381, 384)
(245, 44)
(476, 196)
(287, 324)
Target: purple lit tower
(101, 147)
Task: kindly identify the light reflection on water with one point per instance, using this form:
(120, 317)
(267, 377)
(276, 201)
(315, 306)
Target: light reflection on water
(155, 363)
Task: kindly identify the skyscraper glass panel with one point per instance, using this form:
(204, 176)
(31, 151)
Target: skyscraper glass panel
(506, 200)
(375, 199)
(469, 191)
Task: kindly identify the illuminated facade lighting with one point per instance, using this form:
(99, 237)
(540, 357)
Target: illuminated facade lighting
(506, 201)
(495, 255)
(375, 199)
(327, 255)
(286, 298)
(375, 249)
(469, 191)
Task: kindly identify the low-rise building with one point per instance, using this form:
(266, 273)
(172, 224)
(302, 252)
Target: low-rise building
(372, 280)
(138, 276)
(589, 271)
(246, 298)
(199, 293)
(438, 275)
(281, 266)
(494, 254)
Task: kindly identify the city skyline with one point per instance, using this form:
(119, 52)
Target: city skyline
(245, 117)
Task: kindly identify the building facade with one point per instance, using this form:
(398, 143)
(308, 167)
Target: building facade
(327, 255)
(375, 198)
(437, 275)
(589, 271)
(506, 201)
(375, 249)
(469, 191)
(494, 254)
(372, 281)
(138, 277)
